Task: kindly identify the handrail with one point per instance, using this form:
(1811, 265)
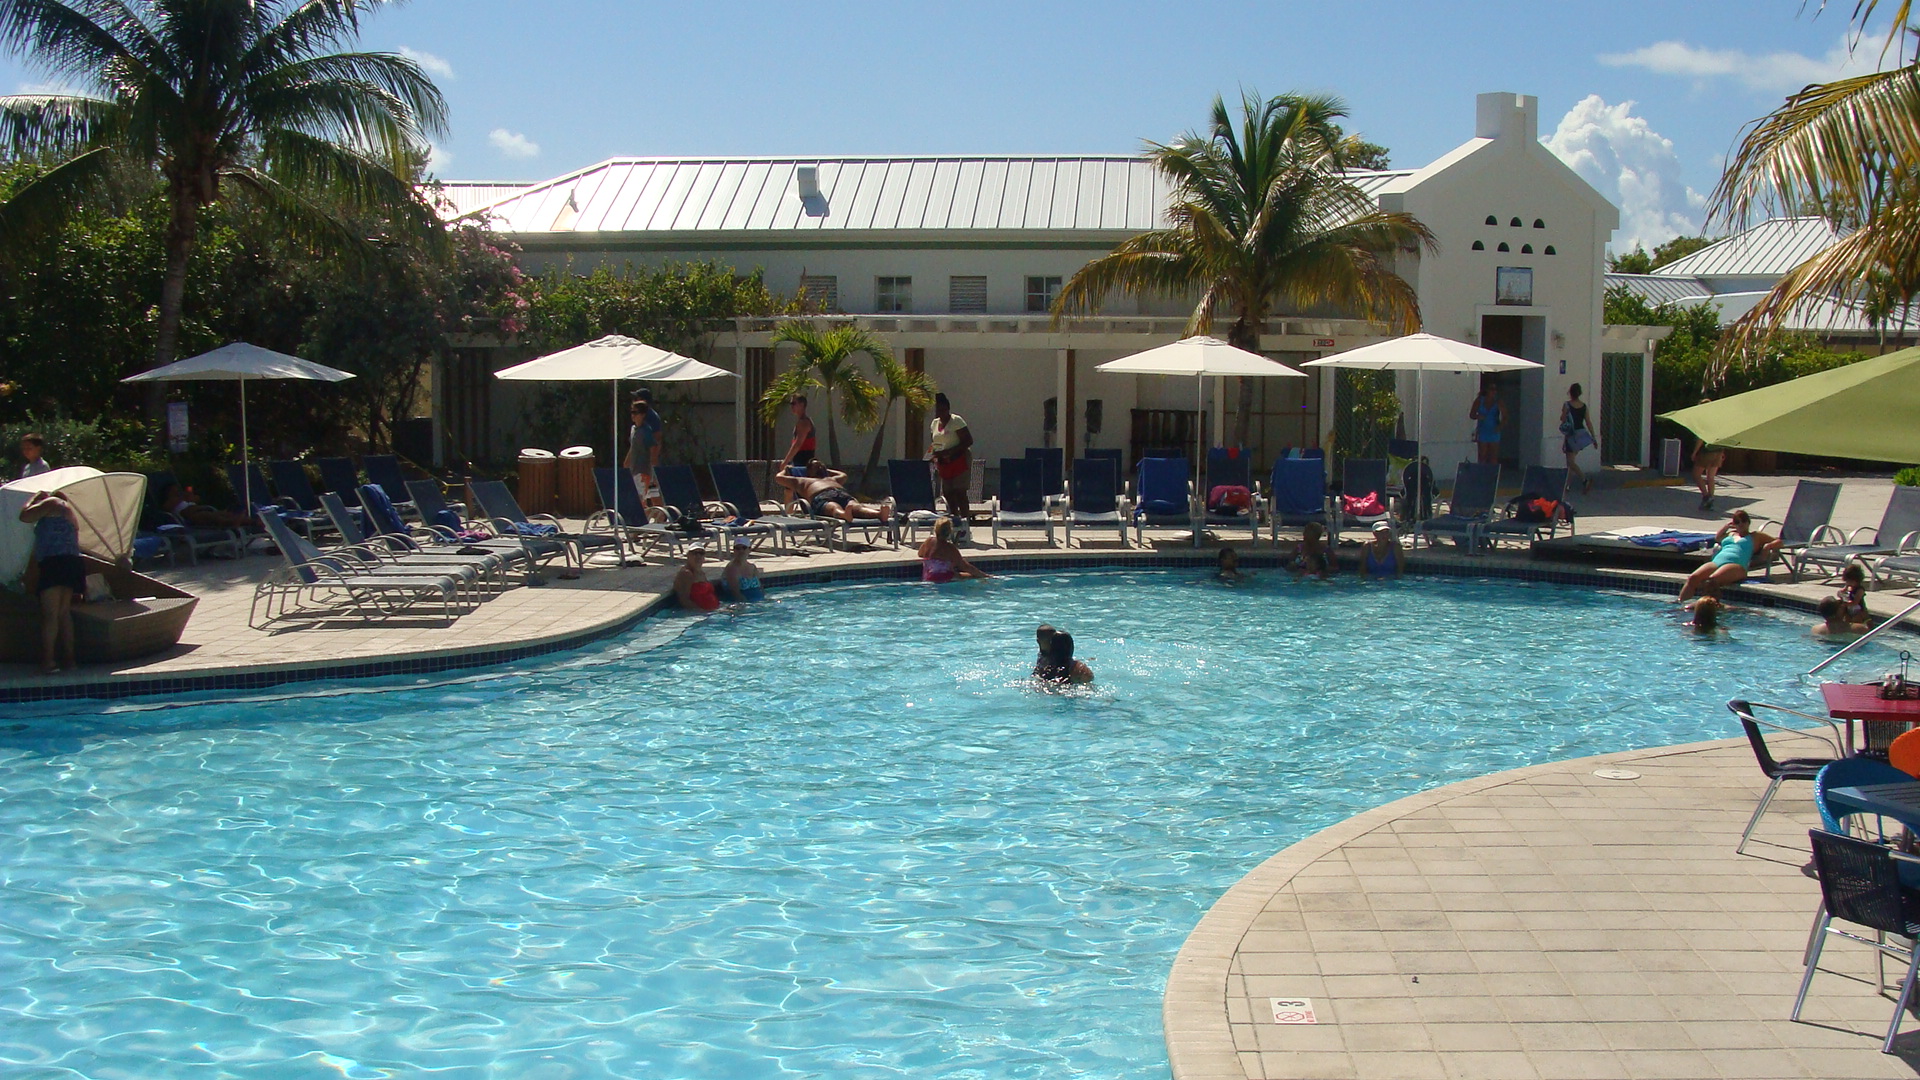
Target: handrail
(1864, 638)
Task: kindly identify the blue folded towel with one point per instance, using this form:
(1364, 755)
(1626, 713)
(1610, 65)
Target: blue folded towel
(530, 528)
(1674, 540)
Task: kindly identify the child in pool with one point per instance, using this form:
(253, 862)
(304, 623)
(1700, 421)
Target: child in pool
(1853, 593)
(1312, 558)
(1228, 571)
(1706, 616)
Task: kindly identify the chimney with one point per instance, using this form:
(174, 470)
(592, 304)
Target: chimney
(807, 180)
(1504, 116)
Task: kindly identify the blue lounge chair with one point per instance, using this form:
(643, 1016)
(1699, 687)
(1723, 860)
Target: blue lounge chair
(1022, 502)
(1053, 471)
(300, 518)
(1469, 508)
(1899, 531)
(686, 510)
(425, 544)
(1360, 477)
(1094, 497)
(1808, 521)
(295, 489)
(384, 470)
(386, 556)
(340, 477)
(1538, 482)
(1231, 468)
(1113, 454)
(734, 484)
(915, 506)
(1163, 495)
(431, 500)
(349, 584)
(624, 514)
(540, 534)
(1299, 497)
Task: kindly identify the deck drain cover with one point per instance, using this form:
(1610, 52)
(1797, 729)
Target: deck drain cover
(1616, 774)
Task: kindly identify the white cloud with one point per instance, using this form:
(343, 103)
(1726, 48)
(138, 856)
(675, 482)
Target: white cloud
(1632, 165)
(54, 88)
(513, 144)
(1772, 73)
(429, 63)
(438, 158)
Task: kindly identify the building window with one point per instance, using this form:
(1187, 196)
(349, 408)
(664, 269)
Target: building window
(1491, 220)
(1041, 292)
(1526, 249)
(967, 295)
(1478, 246)
(820, 292)
(1503, 246)
(1550, 250)
(893, 295)
(1539, 224)
(1515, 223)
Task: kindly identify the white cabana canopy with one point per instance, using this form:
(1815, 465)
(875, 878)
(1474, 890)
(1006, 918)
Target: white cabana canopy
(238, 362)
(612, 359)
(1421, 353)
(1199, 357)
(108, 505)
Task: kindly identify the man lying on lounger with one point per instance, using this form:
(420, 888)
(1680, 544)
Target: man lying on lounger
(825, 494)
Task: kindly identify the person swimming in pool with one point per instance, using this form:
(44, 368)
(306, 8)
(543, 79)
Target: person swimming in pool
(1706, 616)
(741, 578)
(1382, 557)
(1043, 637)
(1227, 571)
(1835, 622)
(1059, 665)
(691, 587)
(1312, 557)
(941, 560)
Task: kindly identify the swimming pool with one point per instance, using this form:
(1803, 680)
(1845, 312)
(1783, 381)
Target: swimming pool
(838, 835)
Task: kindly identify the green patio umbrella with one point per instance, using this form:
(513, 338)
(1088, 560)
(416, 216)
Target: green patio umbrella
(1868, 410)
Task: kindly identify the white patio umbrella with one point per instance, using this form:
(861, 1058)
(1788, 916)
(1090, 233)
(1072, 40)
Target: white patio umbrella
(612, 359)
(1199, 357)
(238, 362)
(1421, 353)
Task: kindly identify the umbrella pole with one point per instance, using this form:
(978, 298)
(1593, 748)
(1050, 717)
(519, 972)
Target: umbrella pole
(246, 463)
(1200, 455)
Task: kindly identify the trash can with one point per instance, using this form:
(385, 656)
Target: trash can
(1669, 457)
(576, 494)
(537, 469)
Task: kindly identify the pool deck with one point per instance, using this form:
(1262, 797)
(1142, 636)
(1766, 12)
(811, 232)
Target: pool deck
(521, 621)
(1540, 923)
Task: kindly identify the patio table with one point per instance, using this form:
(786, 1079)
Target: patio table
(1901, 802)
(1862, 703)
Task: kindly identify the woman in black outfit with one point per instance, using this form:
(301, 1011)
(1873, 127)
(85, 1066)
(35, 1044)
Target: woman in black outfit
(1576, 434)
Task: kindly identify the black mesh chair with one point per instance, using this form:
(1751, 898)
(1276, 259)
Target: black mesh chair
(1775, 769)
(1860, 884)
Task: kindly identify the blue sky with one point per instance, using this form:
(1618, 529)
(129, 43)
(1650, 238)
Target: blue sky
(1653, 94)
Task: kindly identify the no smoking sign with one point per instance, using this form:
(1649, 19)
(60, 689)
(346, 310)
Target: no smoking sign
(1293, 1011)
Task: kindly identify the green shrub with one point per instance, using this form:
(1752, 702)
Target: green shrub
(107, 445)
(1910, 476)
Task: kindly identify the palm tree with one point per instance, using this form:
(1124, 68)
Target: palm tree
(896, 384)
(826, 362)
(1850, 151)
(1262, 217)
(217, 97)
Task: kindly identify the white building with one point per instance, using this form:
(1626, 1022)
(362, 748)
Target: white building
(954, 260)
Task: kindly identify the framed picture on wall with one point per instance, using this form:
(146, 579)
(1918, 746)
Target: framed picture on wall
(1513, 285)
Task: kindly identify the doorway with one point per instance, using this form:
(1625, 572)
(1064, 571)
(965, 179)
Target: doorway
(1524, 336)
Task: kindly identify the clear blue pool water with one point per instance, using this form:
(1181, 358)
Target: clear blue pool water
(836, 836)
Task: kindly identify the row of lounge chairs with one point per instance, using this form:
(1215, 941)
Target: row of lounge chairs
(1810, 542)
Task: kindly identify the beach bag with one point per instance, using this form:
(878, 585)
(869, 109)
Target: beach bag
(1367, 505)
(1580, 440)
(1229, 498)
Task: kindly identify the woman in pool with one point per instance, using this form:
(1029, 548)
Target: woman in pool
(1059, 665)
(1312, 557)
(1228, 571)
(940, 558)
(1706, 616)
(1382, 557)
(741, 578)
(691, 587)
(1734, 548)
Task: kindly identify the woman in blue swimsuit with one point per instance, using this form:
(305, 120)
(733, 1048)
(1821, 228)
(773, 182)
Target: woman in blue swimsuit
(1486, 427)
(1734, 547)
(1382, 557)
(741, 578)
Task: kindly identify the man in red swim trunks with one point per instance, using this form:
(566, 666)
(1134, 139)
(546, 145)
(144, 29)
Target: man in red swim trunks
(691, 587)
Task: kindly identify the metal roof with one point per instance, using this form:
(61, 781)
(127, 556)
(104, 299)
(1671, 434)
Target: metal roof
(1768, 249)
(1661, 288)
(704, 195)
(460, 197)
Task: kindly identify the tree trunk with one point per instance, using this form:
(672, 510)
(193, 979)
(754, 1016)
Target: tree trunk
(873, 455)
(1243, 335)
(833, 433)
(182, 233)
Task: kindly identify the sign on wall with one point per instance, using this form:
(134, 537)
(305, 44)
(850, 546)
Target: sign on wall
(1513, 285)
